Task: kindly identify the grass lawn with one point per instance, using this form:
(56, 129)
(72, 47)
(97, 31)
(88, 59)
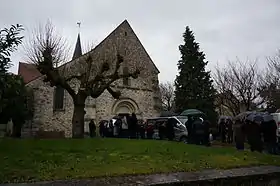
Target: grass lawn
(34, 160)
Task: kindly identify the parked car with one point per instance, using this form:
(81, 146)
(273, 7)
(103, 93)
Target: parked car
(180, 129)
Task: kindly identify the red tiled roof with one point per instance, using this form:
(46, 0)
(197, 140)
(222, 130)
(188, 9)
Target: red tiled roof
(28, 72)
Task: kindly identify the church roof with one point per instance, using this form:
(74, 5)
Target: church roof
(123, 24)
(28, 72)
(78, 50)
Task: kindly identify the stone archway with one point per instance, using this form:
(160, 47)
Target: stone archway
(125, 106)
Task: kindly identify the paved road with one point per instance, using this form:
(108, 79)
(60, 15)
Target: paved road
(158, 179)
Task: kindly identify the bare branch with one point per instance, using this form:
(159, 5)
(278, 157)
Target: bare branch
(46, 37)
(274, 62)
(79, 77)
(238, 85)
(167, 95)
(102, 80)
(89, 46)
(270, 82)
(48, 50)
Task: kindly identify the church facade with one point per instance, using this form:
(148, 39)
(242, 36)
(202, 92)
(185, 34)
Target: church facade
(54, 107)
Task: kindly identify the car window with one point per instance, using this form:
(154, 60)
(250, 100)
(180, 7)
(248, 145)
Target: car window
(183, 120)
(174, 122)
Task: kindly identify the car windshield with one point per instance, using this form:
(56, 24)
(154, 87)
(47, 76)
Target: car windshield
(183, 119)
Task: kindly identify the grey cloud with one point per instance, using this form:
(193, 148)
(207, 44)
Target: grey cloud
(224, 29)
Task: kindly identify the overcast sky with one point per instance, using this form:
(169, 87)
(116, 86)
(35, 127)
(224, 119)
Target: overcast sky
(224, 28)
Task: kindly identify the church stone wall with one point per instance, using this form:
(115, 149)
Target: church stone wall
(142, 98)
(45, 119)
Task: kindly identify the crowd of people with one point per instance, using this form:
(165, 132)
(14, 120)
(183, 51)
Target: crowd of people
(260, 135)
(122, 127)
(119, 126)
(131, 127)
(198, 131)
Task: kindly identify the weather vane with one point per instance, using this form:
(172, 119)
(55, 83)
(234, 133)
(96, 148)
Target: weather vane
(79, 25)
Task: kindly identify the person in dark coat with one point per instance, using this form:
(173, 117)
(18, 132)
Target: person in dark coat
(223, 130)
(206, 135)
(229, 131)
(117, 127)
(269, 135)
(189, 125)
(92, 128)
(239, 135)
(198, 131)
(170, 133)
(141, 130)
(102, 130)
(110, 128)
(161, 130)
(150, 130)
(133, 122)
(253, 131)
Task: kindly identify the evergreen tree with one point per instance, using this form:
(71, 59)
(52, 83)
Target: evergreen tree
(16, 101)
(194, 86)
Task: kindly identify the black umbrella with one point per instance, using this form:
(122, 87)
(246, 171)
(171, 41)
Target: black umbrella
(260, 117)
(190, 112)
(267, 118)
(243, 115)
(250, 117)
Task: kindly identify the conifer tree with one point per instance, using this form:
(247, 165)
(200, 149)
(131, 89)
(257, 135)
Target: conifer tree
(193, 85)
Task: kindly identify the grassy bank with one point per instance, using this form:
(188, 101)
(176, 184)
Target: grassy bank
(33, 160)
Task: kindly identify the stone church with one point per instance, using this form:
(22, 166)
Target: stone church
(54, 107)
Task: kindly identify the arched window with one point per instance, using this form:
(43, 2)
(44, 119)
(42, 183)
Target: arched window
(58, 98)
(125, 80)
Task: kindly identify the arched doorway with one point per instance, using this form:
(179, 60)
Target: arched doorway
(125, 106)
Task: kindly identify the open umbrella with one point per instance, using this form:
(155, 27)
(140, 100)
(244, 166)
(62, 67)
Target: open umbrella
(225, 117)
(267, 118)
(258, 117)
(243, 115)
(190, 112)
(250, 117)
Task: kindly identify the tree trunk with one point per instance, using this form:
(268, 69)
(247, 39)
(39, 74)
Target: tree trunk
(17, 125)
(78, 117)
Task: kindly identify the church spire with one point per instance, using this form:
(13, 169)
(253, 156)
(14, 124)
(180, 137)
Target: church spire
(78, 47)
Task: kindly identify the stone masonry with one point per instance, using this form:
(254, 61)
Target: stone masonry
(141, 95)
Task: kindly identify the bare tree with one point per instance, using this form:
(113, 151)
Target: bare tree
(167, 95)
(270, 82)
(238, 86)
(274, 63)
(88, 46)
(46, 36)
(86, 76)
